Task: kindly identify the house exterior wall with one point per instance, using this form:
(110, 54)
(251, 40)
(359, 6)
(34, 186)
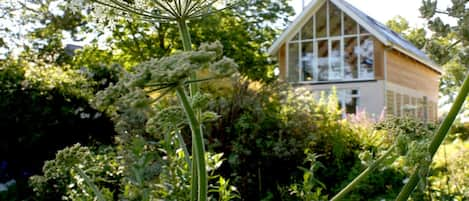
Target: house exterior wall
(412, 88)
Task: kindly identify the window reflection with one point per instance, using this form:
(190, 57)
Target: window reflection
(350, 58)
(366, 57)
(335, 20)
(307, 59)
(321, 22)
(348, 99)
(350, 26)
(307, 30)
(335, 60)
(323, 60)
(329, 55)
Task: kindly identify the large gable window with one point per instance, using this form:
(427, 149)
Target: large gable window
(330, 47)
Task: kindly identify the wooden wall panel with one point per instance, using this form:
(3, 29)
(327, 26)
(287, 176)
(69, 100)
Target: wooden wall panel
(405, 71)
(282, 59)
(379, 59)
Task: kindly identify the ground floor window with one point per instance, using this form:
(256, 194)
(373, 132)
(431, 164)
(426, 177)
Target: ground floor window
(400, 104)
(348, 100)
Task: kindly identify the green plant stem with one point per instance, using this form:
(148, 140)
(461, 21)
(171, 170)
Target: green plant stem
(193, 88)
(194, 176)
(182, 144)
(197, 142)
(437, 139)
(187, 45)
(185, 35)
(363, 175)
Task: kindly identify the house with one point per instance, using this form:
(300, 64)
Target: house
(332, 43)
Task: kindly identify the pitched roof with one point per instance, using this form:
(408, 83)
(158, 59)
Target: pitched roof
(380, 31)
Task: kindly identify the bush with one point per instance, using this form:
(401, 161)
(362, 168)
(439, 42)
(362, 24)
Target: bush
(265, 129)
(147, 177)
(449, 176)
(42, 110)
(62, 174)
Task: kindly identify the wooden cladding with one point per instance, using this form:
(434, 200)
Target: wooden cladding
(407, 72)
(281, 63)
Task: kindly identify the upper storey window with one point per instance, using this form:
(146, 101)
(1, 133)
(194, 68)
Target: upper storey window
(330, 47)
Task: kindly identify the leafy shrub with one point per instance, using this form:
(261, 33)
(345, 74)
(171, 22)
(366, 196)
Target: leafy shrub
(449, 176)
(264, 130)
(42, 110)
(146, 178)
(459, 130)
(62, 174)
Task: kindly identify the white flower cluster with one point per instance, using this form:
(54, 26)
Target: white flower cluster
(105, 12)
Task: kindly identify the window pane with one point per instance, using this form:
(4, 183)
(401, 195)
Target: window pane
(398, 104)
(420, 108)
(307, 30)
(336, 60)
(321, 22)
(350, 58)
(297, 37)
(348, 100)
(351, 105)
(293, 62)
(407, 106)
(335, 24)
(363, 30)
(350, 26)
(413, 101)
(307, 57)
(366, 57)
(390, 102)
(323, 60)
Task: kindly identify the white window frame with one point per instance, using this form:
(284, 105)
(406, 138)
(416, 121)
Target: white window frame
(315, 40)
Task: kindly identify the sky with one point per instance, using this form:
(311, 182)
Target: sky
(384, 10)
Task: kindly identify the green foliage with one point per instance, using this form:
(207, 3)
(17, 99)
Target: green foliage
(311, 188)
(459, 131)
(264, 130)
(412, 139)
(43, 109)
(142, 175)
(101, 165)
(398, 24)
(417, 36)
(448, 178)
(448, 42)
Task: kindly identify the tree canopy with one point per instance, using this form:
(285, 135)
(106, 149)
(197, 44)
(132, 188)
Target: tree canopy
(449, 41)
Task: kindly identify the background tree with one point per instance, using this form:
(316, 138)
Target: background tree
(250, 28)
(449, 41)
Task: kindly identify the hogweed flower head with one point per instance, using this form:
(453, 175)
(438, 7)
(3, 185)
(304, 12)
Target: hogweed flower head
(150, 10)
